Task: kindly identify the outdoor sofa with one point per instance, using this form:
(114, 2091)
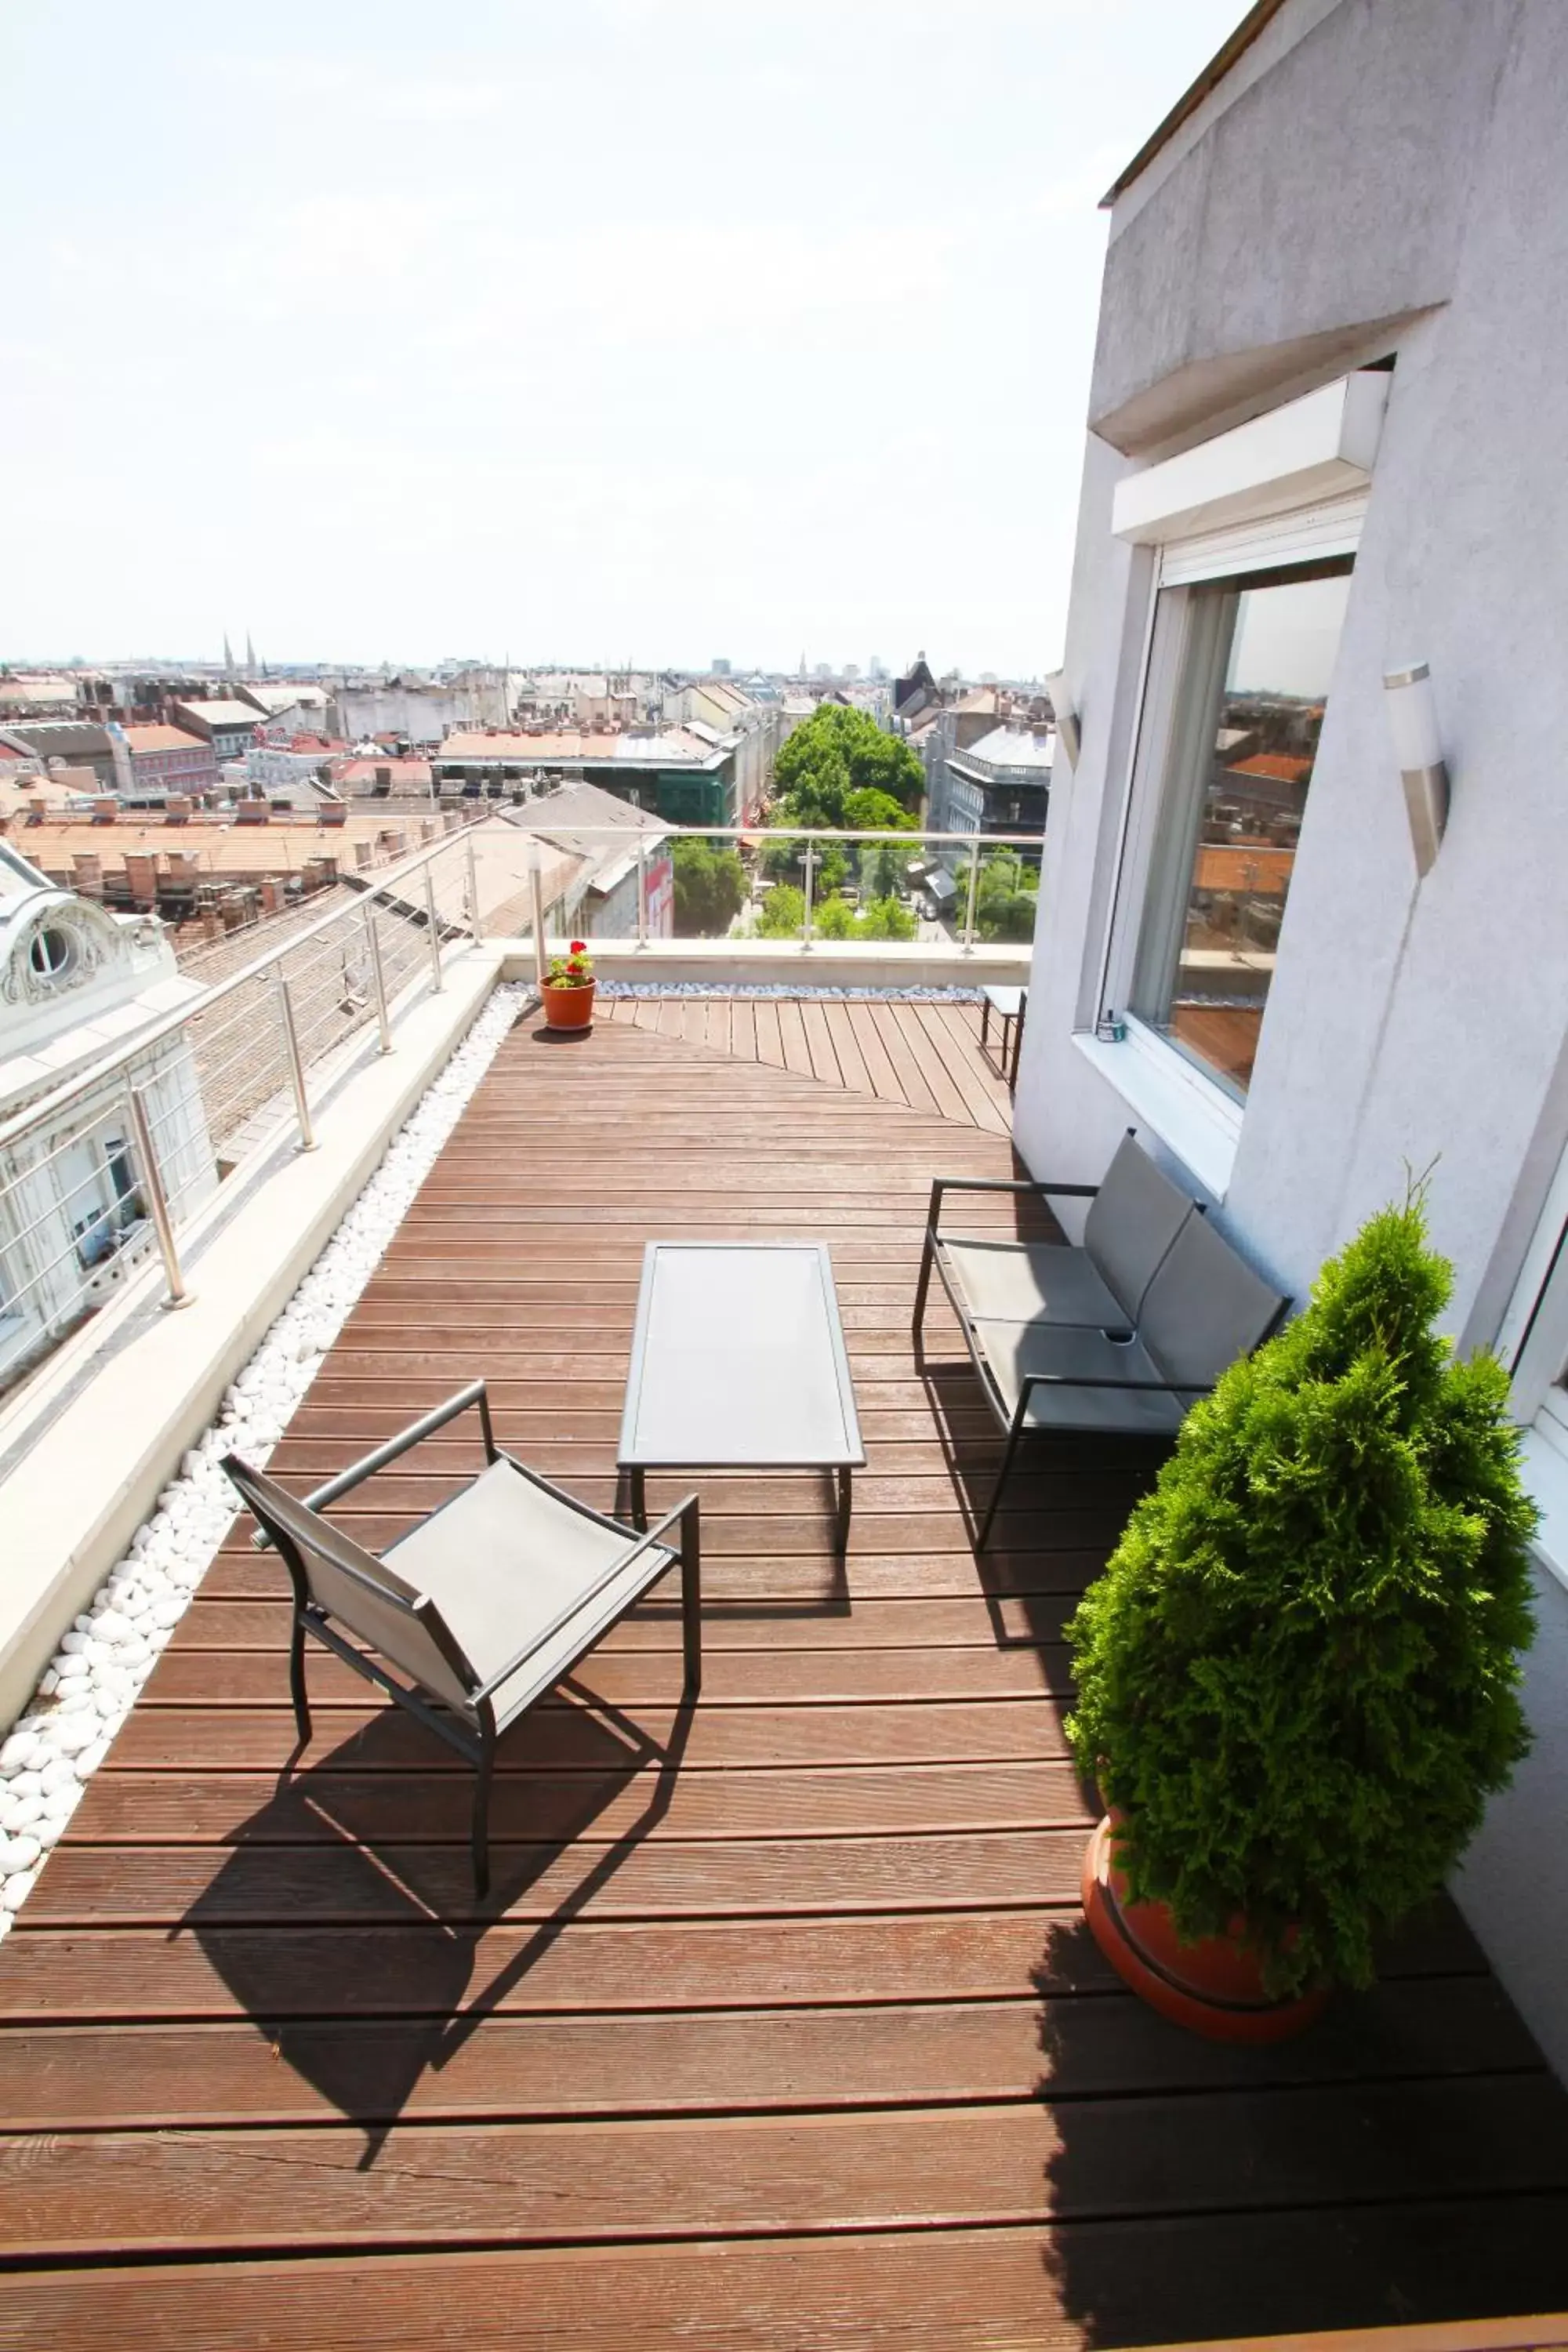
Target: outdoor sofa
(1114, 1337)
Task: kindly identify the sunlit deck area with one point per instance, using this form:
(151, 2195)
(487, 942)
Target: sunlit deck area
(780, 2026)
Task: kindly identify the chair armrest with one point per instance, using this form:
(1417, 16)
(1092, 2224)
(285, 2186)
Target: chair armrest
(488, 1688)
(1098, 1380)
(940, 1184)
(474, 1394)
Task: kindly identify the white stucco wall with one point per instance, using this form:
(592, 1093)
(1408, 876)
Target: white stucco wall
(1406, 1025)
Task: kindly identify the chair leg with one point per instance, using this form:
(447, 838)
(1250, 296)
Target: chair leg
(297, 1680)
(481, 1831)
(691, 1597)
(922, 1286)
(1014, 1434)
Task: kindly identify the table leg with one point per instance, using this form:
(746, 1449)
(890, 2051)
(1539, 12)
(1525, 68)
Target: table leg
(984, 1020)
(846, 1500)
(691, 1599)
(639, 1500)
(1017, 1041)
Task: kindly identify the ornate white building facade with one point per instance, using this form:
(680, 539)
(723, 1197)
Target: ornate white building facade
(76, 982)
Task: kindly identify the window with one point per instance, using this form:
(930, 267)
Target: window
(1256, 654)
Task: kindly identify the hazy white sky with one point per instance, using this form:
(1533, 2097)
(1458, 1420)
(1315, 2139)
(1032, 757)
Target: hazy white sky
(658, 329)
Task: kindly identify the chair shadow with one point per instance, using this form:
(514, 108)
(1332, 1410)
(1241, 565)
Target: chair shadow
(348, 1844)
(1090, 1483)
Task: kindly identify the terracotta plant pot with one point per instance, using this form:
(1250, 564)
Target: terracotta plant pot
(1213, 1988)
(568, 1008)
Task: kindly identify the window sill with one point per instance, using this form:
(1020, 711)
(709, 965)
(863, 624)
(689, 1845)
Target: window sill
(1193, 1119)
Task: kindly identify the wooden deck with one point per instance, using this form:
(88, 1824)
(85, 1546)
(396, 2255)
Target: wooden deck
(925, 1056)
(781, 2028)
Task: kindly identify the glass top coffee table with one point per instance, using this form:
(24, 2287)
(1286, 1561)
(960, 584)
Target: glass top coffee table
(738, 1362)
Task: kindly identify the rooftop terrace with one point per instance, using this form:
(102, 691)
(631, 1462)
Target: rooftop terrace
(781, 2026)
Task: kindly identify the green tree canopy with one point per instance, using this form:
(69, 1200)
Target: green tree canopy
(1007, 898)
(838, 751)
(710, 889)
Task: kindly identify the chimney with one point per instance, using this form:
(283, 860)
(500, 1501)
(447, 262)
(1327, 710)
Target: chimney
(176, 809)
(212, 923)
(272, 895)
(142, 874)
(332, 813)
(86, 874)
(251, 813)
(363, 853)
(320, 872)
(105, 809)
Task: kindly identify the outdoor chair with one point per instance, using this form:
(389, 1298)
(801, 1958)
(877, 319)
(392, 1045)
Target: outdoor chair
(1135, 1215)
(1203, 1308)
(483, 1606)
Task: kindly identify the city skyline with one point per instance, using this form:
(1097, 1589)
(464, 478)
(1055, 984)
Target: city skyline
(657, 325)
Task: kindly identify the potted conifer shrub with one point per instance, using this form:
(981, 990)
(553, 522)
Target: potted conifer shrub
(1298, 1677)
(567, 989)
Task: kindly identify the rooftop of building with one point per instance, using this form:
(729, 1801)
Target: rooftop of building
(669, 747)
(153, 736)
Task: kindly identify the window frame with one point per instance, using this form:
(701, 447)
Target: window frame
(1198, 1117)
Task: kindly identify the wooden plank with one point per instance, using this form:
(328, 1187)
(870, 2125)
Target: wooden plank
(949, 2167)
(417, 1969)
(373, 1735)
(629, 1794)
(132, 1885)
(484, 2067)
(902, 1059)
(792, 1034)
(631, 1679)
(694, 1020)
(717, 1024)
(962, 1067)
(743, 1029)
(770, 1040)
(819, 1044)
(1068, 2285)
(414, 1968)
(851, 1061)
(949, 1097)
(879, 1070)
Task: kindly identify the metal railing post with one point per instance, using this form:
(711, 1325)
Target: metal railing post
(473, 894)
(973, 893)
(296, 1067)
(536, 895)
(434, 924)
(378, 978)
(157, 1201)
(806, 921)
(642, 896)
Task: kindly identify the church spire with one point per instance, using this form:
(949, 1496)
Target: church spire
(227, 658)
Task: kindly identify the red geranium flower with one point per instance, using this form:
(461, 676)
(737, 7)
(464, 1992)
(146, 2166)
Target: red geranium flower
(579, 947)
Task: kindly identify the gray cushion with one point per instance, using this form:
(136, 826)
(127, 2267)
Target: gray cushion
(1025, 1282)
(1013, 1350)
(505, 1558)
(1204, 1307)
(1132, 1221)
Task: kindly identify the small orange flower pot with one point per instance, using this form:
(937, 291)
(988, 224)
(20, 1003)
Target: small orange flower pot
(1213, 1988)
(568, 1008)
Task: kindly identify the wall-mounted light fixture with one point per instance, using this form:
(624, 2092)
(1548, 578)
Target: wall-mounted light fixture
(1066, 716)
(1412, 715)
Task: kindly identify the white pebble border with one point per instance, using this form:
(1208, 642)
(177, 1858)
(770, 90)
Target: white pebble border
(92, 1683)
(784, 988)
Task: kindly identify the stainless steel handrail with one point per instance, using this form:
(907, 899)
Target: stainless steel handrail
(169, 1024)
